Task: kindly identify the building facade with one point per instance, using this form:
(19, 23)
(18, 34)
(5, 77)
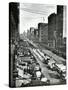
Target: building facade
(13, 40)
(59, 25)
(43, 32)
(52, 30)
(36, 38)
(55, 28)
(32, 33)
(28, 34)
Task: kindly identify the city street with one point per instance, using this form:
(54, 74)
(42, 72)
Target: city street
(47, 72)
(52, 75)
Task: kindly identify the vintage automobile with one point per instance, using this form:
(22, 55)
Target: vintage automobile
(21, 54)
(47, 58)
(15, 73)
(61, 69)
(51, 64)
(32, 57)
(39, 78)
(23, 63)
(45, 80)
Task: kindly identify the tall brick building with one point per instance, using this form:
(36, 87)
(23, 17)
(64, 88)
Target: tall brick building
(52, 30)
(43, 32)
(59, 25)
(36, 34)
(55, 28)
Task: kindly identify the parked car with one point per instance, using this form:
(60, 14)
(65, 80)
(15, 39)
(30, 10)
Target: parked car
(15, 73)
(45, 80)
(47, 58)
(61, 69)
(23, 63)
(51, 64)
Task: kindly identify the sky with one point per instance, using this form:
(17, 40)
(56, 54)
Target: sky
(31, 14)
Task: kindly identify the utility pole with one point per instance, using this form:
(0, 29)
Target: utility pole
(43, 19)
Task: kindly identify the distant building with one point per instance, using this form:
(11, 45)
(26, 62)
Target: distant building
(36, 38)
(23, 35)
(43, 32)
(32, 33)
(28, 34)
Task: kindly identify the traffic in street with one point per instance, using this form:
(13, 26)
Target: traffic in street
(36, 68)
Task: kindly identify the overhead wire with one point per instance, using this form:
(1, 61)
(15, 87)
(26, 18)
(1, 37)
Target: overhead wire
(31, 11)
